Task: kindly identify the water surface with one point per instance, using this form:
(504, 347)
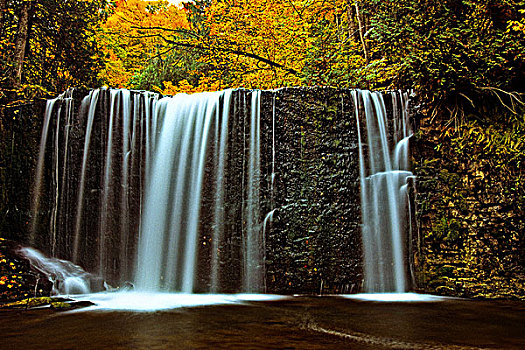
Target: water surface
(290, 323)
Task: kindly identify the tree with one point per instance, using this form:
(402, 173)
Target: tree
(26, 11)
(450, 51)
(131, 40)
(49, 44)
(267, 43)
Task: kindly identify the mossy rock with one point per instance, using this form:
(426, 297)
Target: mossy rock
(53, 303)
(447, 270)
(28, 303)
(17, 277)
(60, 305)
(445, 290)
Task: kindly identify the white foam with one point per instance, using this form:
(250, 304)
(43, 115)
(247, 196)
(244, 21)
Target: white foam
(75, 285)
(394, 297)
(259, 297)
(154, 301)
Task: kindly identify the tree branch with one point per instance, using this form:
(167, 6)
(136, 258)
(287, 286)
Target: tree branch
(179, 31)
(233, 51)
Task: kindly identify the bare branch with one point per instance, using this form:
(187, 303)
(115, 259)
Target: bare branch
(161, 53)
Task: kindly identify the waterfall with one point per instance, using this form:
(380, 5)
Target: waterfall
(383, 158)
(142, 189)
(66, 277)
(91, 101)
(189, 126)
(179, 193)
(254, 259)
(168, 237)
(221, 139)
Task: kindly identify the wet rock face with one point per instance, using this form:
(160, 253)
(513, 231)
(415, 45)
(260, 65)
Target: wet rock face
(308, 143)
(470, 204)
(20, 129)
(314, 243)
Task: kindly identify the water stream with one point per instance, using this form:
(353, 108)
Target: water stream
(383, 158)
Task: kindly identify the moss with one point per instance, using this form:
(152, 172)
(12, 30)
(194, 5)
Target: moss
(29, 303)
(59, 305)
(471, 204)
(447, 270)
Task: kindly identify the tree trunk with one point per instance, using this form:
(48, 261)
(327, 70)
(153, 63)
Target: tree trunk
(353, 32)
(20, 44)
(361, 31)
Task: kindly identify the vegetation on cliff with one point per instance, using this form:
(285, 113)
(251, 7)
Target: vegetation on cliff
(17, 279)
(471, 205)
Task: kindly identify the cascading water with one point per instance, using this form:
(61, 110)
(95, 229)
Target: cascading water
(152, 190)
(66, 277)
(254, 257)
(64, 102)
(384, 172)
(90, 100)
(180, 193)
(168, 239)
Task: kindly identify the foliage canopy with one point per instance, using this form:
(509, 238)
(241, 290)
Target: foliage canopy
(447, 50)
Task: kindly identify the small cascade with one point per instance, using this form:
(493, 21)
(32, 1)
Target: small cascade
(66, 277)
(383, 156)
(267, 222)
(221, 142)
(272, 179)
(114, 106)
(87, 107)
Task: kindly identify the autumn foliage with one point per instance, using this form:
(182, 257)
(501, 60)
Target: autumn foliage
(131, 37)
(447, 50)
(253, 44)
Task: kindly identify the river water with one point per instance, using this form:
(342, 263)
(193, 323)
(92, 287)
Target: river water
(285, 323)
